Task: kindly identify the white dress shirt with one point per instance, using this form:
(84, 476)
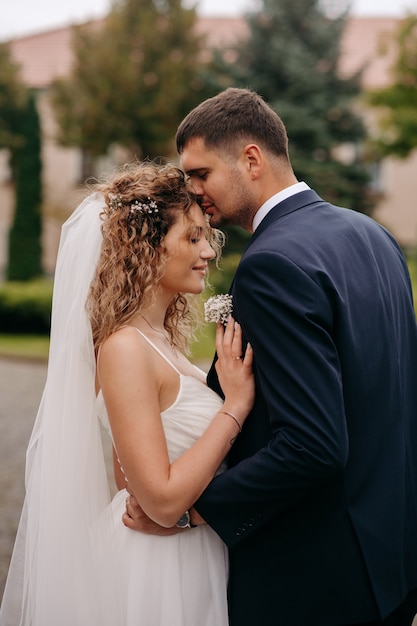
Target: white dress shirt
(274, 200)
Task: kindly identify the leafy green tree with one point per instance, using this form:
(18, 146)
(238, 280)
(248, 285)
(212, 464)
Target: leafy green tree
(292, 60)
(133, 80)
(25, 250)
(397, 103)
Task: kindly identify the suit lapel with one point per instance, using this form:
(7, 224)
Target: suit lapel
(293, 203)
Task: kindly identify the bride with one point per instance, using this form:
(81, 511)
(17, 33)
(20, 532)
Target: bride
(119, 332)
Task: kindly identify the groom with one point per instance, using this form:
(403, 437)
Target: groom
(319, 505)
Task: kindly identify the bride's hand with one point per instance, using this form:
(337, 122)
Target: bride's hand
(135, 519)
(234, 369)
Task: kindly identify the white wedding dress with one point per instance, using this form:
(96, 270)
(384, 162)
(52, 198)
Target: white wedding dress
(74, 562)
(179, 580)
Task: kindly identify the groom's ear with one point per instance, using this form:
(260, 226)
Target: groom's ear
(253, 160)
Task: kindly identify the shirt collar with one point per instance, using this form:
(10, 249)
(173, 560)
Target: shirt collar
(274, 200)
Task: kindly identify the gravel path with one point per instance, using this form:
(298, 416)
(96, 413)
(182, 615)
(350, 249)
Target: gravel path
(21, 385)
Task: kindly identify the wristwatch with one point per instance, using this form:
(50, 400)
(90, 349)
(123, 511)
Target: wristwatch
(185, 521)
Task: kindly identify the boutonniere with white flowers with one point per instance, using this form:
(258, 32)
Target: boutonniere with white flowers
(218, 309)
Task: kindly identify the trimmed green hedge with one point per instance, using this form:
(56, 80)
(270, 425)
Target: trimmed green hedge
(25, 307)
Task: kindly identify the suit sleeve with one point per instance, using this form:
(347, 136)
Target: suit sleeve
(288, 316)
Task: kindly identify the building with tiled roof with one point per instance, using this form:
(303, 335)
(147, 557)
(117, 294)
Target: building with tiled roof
(43, 56)
(47, 55)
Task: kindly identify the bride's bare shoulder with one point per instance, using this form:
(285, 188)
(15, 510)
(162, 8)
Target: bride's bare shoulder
(127, 342)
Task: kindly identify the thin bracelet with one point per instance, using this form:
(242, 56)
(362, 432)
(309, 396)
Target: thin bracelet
(233, 418)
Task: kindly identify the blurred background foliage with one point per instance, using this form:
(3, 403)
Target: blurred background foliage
(133, 80)
(397, 103)
(140, 70)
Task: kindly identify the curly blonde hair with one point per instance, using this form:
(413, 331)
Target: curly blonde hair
(142, 202)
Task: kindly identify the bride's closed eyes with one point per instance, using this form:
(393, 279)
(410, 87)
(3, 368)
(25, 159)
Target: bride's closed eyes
(195, 235)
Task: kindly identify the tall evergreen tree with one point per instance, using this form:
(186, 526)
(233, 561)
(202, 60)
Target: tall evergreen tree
(292, 60)
(133, 80)
(25, 235)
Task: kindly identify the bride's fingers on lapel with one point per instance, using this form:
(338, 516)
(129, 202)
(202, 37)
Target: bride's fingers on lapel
(237, 342)
(248, 357)
(227, 338)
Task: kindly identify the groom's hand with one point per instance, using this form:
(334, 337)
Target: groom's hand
(135, 519)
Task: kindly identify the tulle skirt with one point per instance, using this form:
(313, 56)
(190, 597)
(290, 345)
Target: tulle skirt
(179, 580)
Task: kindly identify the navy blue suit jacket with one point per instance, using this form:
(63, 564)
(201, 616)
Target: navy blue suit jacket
(319, 505)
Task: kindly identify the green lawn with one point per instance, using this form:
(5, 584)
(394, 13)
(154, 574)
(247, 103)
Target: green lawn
(24, 346)
(37, 347)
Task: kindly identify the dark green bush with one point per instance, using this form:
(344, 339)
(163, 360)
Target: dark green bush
(25, 307)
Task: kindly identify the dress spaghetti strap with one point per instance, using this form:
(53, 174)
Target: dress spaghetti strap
(158, 351)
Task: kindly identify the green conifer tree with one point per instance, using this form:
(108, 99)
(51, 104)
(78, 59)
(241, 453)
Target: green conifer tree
(292, 60)
(25, 250)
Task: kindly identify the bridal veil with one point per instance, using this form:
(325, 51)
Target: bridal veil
(55, 576)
